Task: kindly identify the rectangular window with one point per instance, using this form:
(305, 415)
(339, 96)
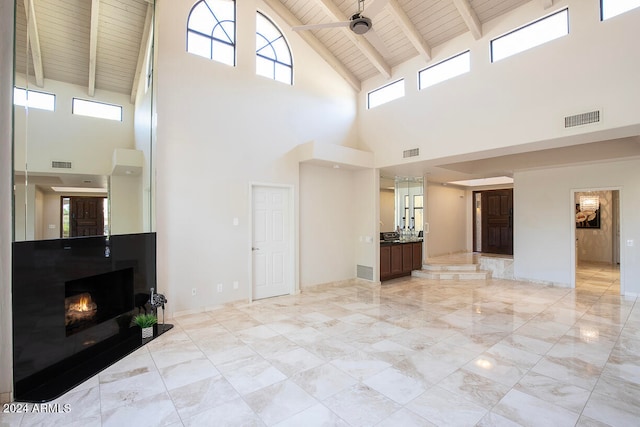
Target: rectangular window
(100, 110)
(445, 70)
(385, 94)
(34, 99)
(531, 35)
(611, 8)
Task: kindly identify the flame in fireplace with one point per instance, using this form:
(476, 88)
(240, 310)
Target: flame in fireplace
(84, 304)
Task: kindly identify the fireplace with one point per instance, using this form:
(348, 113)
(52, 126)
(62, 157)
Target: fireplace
(92, 300)
(73, 300)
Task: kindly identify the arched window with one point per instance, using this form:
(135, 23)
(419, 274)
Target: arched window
(211, 30)
(273, 57)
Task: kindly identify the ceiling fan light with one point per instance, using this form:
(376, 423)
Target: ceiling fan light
(360, 25)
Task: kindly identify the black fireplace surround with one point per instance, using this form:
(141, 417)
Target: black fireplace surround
(118, 272)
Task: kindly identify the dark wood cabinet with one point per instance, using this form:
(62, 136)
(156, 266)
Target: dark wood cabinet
(407, 258)
(396, 260)
(417, 255)
(385, 261)
(399, 259)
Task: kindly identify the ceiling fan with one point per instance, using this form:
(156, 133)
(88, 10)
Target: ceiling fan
(358, 23)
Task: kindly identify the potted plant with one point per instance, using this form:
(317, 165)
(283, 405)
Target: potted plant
(146, 322)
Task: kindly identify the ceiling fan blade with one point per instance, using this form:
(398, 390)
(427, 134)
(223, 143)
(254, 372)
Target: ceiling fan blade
(373, 7)
(320, 26)
(375, 40)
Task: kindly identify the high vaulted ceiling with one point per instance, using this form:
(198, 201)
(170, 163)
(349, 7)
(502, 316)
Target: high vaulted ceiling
(402, 29)
(99, 44)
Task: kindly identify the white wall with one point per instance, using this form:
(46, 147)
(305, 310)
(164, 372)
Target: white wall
(126, 204)
(221, 128)
(544, 243)
(447, 214)
(519, 100)
(6, 190)
(58, 135)
(327, 225)
(387, 210)
(596, 245)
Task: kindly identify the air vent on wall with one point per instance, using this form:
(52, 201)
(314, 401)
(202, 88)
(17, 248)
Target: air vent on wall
(60, 165)
(582, 119)
(411, 153)
(364, 272)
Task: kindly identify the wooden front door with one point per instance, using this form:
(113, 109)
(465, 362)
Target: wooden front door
(497, 221)
(87, 216)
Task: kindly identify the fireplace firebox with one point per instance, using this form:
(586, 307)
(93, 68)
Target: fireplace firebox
(92, 300)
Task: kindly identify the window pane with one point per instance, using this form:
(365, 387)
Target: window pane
(266, 48)
(273, 57)
(266, 28)
(283, 73)
(224, 32)
(282, 51)
(223, 9)
(34, 99)
(264, 67)
(417, 201)
(223, 53)
(611, 8)
(535, 34)
(215, 20)
(199, 45)
(97, 109)
(201, 19)
(385, 94)
(445, 70)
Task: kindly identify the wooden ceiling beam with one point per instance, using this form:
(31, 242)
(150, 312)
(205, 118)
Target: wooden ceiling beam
(34, 42)
(409, 29)
(360, 42)
(469, 17)
(93, 46)
(315, 44)
(144, 53)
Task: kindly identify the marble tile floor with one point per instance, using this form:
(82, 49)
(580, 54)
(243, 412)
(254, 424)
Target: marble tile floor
(412, 352)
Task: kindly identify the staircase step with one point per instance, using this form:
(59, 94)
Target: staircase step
(441, 271)
(450, 267)
(452, 275)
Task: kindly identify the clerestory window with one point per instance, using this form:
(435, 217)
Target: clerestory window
(273, 56)
(211, 30)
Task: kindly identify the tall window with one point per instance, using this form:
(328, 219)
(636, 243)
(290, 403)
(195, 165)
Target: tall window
(532, 35)
(211, 30)
(273, 57)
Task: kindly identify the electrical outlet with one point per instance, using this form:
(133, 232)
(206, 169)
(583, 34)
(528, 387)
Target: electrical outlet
(235, 284)
(219, 287)
(193, 292)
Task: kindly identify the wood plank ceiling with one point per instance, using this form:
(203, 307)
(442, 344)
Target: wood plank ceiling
(101, 44)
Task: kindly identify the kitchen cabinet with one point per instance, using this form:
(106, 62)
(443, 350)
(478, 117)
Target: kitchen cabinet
(398, 259)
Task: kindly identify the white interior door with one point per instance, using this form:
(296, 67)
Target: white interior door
(271, 246)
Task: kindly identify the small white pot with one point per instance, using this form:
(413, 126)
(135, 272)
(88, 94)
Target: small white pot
(147, 332)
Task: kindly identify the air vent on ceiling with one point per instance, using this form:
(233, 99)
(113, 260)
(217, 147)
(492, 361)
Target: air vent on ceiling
(411, 153)
(364, 272)
(582, 119)
(60, 165)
